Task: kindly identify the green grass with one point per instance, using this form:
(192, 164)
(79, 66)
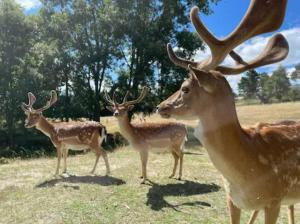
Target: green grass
(30, 194)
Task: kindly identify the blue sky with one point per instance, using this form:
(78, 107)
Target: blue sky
(227, 14)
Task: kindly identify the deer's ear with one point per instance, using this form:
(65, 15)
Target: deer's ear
(205, 79)
(130, 107)
(110, 108)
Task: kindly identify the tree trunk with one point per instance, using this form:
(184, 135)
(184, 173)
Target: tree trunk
(67, 98)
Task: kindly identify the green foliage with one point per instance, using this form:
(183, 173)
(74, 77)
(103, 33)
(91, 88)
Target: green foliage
(17, 70)
(248, 85)
(280, 84)
(81, 48)
(296, 74)
(274, 88)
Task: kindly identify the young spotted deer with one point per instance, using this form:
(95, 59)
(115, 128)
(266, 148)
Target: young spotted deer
(145, 137)
(67, 135)
(261, 166)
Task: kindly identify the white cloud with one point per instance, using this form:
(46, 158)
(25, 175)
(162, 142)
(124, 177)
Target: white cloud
(234, 80)
(29, 4)
(253, 47)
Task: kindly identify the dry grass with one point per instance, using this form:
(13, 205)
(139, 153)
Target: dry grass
(30, 194)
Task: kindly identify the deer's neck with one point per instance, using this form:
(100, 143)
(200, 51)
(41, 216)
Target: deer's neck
(45, 126)
(126, 128)
(221, 134)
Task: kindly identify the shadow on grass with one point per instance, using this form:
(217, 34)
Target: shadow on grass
(100, 180)
(194, 153)
(156, 194)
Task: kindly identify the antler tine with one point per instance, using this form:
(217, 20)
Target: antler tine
(238, 59)
(140, 98)
(114, 98)
(125, 97)
(276, 50)
(24, 107)
(31, 99)
(261, 17)
(50, 102)
(178, 60)
(107, 98)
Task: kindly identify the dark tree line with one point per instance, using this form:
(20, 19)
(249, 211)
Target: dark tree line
(276, 87)
(83, 47)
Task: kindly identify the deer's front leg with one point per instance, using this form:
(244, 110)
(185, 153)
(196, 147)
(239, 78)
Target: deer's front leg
(65, 155)
(144, 160)
(234, 212)
(175, 164)
(59, 154)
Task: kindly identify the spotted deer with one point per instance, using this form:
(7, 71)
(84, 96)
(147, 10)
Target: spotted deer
(67, 135)
(261, 166)
(145, 137)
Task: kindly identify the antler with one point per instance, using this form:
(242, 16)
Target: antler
(262, 16)
(108, 99)
(125, 97)
(31, 101)
(50, 102)
(276, 50)
(125, 102)
(139, 99)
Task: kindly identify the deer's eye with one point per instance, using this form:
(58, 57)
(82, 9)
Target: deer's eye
(185, 89)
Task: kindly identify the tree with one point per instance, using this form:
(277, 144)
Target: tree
(145, 28)
(280, 84)
(248, 86)
(16, 47)
(296, 74)
(264, 93)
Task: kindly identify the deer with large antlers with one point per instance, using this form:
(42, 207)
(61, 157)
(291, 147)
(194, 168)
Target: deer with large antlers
(145, 137)
(67, 135)
(261, 166)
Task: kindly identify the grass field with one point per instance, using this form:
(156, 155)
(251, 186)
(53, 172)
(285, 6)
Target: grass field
(30, 194)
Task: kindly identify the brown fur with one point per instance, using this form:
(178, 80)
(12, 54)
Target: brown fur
(66, 135)
(261, 164)
(145, 137)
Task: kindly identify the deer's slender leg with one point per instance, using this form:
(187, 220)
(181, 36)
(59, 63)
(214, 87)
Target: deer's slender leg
(253, 217)
(234, 212)
(65, 155)
(175, 164)
(97, 153)
(104, 154)
(144, 160)
(59, 153)
(180, 164)
(291, 214)
(271, 214)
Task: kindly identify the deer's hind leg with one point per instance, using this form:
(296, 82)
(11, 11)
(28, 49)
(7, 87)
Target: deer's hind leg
(97, 152)
(253, 217)
(180, 164)
(271, 214)
(104, 154)
(291, 214)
